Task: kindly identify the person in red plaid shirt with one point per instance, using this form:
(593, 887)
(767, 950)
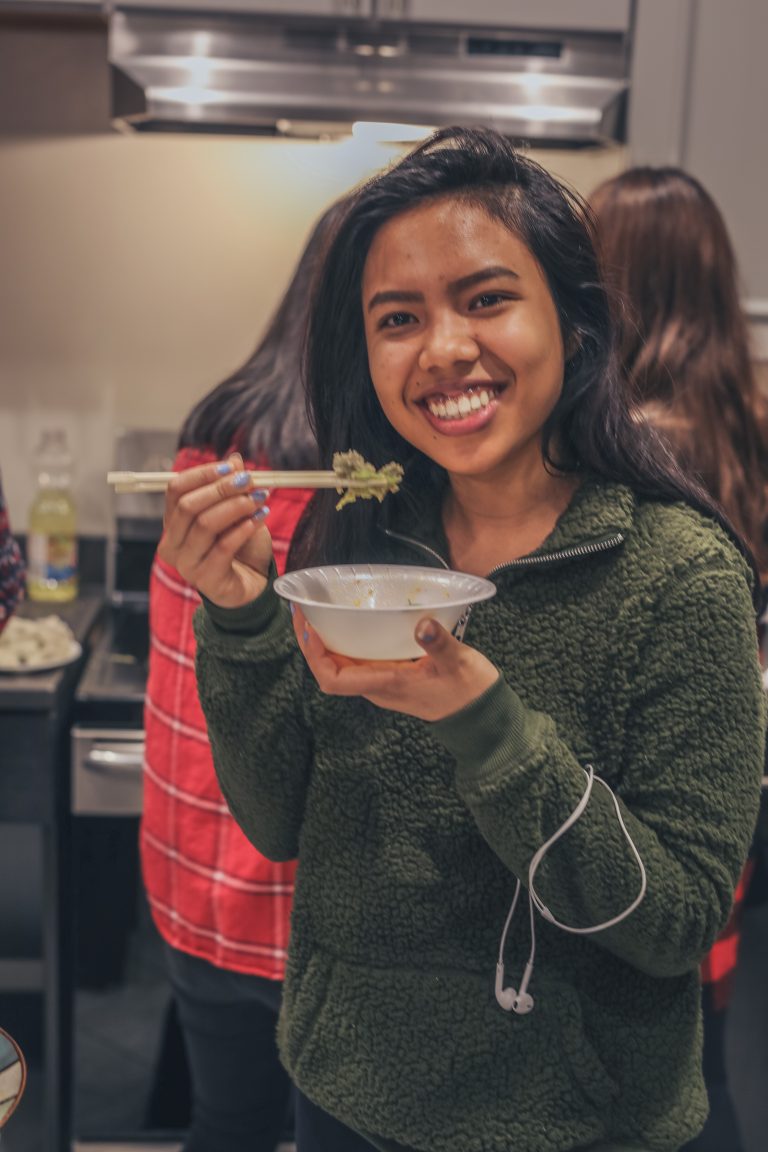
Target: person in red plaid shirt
(12, 569)
(685, 351)
(222, 909)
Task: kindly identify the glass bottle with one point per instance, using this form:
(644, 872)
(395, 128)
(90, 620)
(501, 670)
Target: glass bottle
(52, 536)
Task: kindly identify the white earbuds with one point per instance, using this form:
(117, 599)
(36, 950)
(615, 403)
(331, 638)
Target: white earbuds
(510, 999)
(519, 1000)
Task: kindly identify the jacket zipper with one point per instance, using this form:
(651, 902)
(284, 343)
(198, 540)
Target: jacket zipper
(538, 560)
(577, 550)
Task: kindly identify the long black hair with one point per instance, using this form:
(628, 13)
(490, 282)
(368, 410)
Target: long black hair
(592, 426)
(260, 410)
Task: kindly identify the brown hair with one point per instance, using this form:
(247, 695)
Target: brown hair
(683, 342)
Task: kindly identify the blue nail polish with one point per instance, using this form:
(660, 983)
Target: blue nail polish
(292, 607)
(240, 480)
(426, 632)
(305, 635)
(259, 494)
(261, 513)
(223, 468)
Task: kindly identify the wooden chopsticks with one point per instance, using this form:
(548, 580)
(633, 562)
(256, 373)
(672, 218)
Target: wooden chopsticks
(158, 481)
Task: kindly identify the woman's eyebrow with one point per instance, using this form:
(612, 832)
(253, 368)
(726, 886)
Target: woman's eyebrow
(401, 296)
(483, 274)
(394, 296)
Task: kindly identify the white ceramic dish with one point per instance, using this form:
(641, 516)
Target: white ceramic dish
(36, 644)
(73, 652)
(370, 611)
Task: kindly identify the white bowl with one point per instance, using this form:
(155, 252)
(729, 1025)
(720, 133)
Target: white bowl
(370, 611)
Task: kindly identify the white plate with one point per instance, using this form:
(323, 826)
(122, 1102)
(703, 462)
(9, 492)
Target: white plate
(74, 653)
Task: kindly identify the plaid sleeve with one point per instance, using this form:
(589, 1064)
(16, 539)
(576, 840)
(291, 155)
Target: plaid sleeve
(12, 570)
(719, 964)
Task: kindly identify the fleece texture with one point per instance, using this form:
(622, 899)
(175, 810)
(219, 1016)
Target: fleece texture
(627, 641)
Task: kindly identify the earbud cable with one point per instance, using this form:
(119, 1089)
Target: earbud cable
(541, 853)
(535, 901)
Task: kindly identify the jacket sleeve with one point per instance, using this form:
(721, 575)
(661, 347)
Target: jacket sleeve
(688, 785)
(250, 677)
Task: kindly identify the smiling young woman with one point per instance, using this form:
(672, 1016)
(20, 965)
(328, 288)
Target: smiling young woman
(466, 358)
(597, 738)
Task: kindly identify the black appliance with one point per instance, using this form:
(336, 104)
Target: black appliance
(128, 1069)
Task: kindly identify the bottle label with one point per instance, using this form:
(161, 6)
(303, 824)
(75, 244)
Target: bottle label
(52, 559)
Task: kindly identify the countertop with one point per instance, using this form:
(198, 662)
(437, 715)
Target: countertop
(40, 691)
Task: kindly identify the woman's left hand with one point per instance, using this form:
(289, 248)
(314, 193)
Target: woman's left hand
(446, 679)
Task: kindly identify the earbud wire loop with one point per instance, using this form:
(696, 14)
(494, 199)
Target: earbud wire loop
(535, 901)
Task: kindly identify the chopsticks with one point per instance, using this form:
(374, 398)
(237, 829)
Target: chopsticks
(158, 481)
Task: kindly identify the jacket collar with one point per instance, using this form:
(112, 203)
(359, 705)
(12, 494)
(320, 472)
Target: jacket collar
(599, 509)
(599, 517)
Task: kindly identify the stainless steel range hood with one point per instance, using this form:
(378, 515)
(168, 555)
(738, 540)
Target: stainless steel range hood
(238, 73)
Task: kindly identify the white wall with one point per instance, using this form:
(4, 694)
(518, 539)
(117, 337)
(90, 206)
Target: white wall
(137, 271)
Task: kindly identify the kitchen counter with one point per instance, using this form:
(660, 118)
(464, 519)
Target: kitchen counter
(35, 718)
(40, 691)
(35, 711)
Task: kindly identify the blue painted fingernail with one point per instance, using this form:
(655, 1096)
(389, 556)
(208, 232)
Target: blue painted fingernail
(261, 513)
(426, 632)
(240, 480)
(259, 494)
(305, 635)
(223, 468)
(292, 607)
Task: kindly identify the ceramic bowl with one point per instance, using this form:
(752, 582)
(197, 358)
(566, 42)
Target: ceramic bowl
(370, 611)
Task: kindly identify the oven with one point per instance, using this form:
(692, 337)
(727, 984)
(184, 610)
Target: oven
(128, 1070)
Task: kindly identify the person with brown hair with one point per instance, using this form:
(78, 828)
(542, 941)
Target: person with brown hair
(684, 348)
(683, 337)
(221, 908)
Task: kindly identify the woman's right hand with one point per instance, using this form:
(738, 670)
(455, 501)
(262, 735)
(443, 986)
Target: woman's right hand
(214, 533)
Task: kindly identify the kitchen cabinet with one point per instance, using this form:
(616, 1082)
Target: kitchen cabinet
(64, 6)
(346, 8)
(34, 803)
(587, 15)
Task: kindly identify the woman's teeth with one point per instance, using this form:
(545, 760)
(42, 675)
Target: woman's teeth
(456, 409)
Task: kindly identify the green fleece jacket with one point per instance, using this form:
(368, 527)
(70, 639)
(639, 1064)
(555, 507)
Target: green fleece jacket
(627, 641)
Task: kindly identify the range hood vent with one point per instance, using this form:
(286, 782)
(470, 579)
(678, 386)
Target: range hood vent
(238, 73)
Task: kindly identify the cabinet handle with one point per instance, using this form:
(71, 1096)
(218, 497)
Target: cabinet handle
(129, 759)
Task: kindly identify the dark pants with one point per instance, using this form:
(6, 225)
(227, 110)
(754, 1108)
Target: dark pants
(318, 1131)
(721, 1131)
(240, 1091)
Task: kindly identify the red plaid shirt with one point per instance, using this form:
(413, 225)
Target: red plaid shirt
(719, 965)
(211, 893)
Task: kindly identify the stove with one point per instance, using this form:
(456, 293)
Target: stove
(111, 689)
(106, 776)
(122, 1007)
(116, 672)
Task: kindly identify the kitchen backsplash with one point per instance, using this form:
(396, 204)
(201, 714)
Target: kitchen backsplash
(138, 271)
